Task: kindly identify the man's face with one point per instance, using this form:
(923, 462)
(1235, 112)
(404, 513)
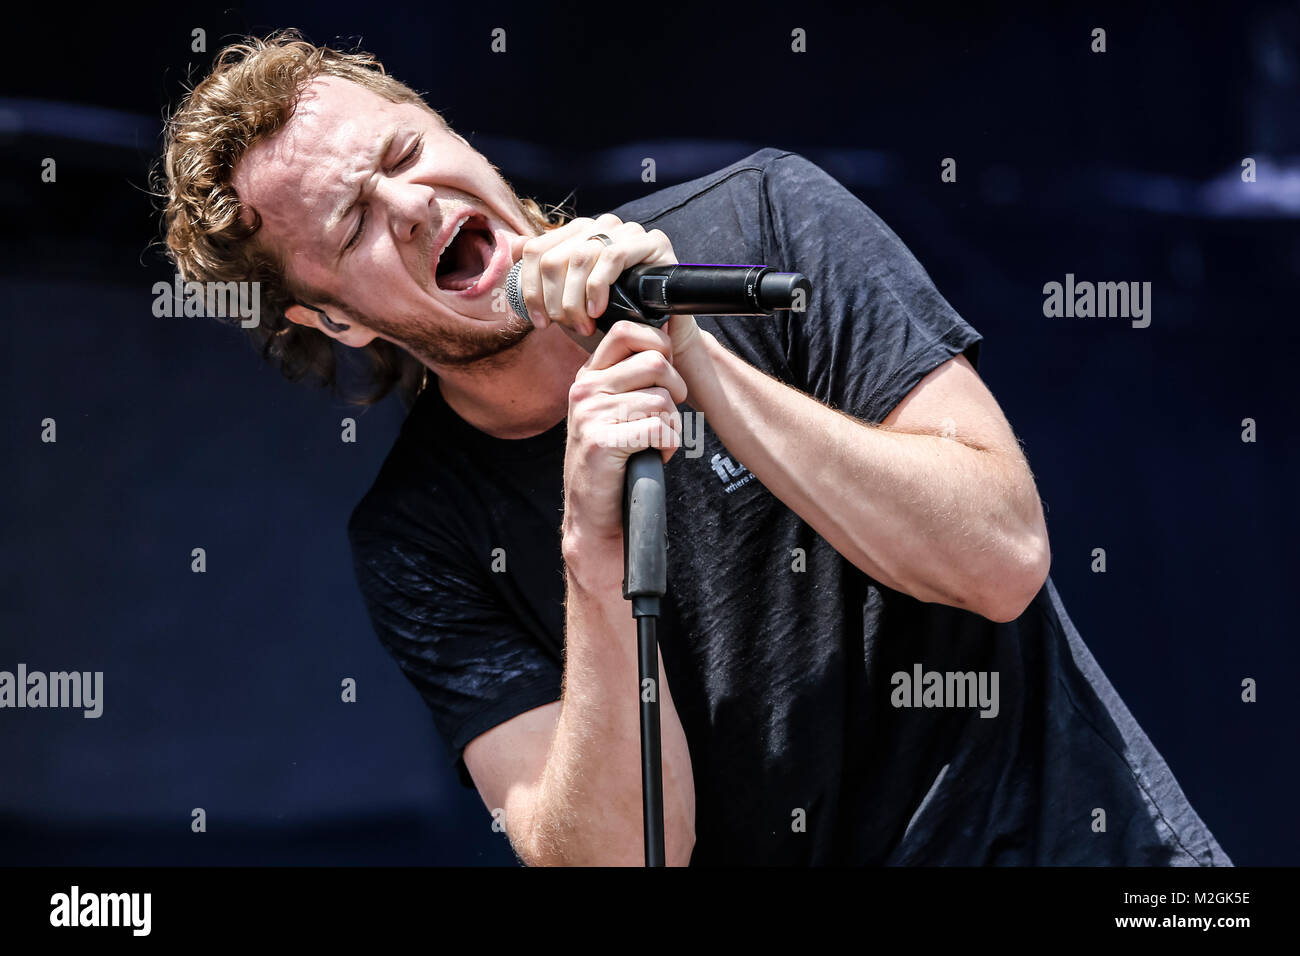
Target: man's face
(359, 196)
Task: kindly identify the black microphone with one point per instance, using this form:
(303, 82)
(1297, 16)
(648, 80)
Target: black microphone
(650, 294)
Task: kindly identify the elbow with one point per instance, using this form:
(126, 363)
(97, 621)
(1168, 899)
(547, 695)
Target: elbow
(677, 852)
(680, 846)
(628, 850)
(530, 846)
(527, 849)
(1018, 580)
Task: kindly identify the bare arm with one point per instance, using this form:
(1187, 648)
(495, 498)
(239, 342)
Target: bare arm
(588, 807)
(938, 502)
(568, 775)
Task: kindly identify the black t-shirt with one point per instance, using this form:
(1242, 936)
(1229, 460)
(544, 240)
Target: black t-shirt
(806, 689)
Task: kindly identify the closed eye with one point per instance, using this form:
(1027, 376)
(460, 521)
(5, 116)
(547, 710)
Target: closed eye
(411, 154)
(409, 157)
(356, 236)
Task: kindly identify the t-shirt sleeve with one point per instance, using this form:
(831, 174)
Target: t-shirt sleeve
(473, 664)
(875, 323)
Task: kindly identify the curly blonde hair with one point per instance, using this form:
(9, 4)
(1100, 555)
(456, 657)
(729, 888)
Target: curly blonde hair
(249, 95)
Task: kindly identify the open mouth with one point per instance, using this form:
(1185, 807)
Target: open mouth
(466, 256)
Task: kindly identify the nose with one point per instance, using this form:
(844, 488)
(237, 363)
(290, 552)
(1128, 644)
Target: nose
(408, 205)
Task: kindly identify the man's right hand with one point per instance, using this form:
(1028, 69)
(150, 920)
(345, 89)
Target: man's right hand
(624, 399)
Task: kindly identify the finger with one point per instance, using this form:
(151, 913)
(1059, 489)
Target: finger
(643, 433)
(582, 226)
(629, 406)
(530, 278)
(546, 266)
(644, 370)
(586, 298)
(626, 338)
(564, 283)
(634, 247)
(565, 267)
(517, 244)
(525, 256)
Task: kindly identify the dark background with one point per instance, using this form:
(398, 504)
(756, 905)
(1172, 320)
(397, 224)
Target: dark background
(222, 689)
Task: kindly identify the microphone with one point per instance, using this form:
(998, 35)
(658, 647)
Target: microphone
(650, 294)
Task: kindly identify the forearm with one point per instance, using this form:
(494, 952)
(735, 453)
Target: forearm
(923, 514)
(587, 809)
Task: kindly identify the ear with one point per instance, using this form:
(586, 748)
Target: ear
(301, 315)
(344, 330)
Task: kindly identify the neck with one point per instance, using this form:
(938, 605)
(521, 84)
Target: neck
(525, 394)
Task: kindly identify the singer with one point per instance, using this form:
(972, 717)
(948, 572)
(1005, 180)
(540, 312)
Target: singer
(891, 527)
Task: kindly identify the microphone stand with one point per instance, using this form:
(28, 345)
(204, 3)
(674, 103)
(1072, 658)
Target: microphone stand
(645, 581)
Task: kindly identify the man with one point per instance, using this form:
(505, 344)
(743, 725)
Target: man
(862, 659)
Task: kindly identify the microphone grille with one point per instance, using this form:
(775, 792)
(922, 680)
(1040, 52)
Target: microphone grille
(515, 293)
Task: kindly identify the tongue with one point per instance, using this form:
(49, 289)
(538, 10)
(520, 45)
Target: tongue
(464, 260)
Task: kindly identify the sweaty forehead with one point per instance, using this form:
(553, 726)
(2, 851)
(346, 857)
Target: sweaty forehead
(298, 177)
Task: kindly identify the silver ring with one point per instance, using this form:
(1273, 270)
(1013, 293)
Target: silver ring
(603, 238)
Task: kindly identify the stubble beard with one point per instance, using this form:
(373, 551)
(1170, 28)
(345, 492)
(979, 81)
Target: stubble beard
(464, 349)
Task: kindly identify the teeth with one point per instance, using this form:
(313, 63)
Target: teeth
(452, 237)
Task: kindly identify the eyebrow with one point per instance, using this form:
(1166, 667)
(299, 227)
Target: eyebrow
(340, 214)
